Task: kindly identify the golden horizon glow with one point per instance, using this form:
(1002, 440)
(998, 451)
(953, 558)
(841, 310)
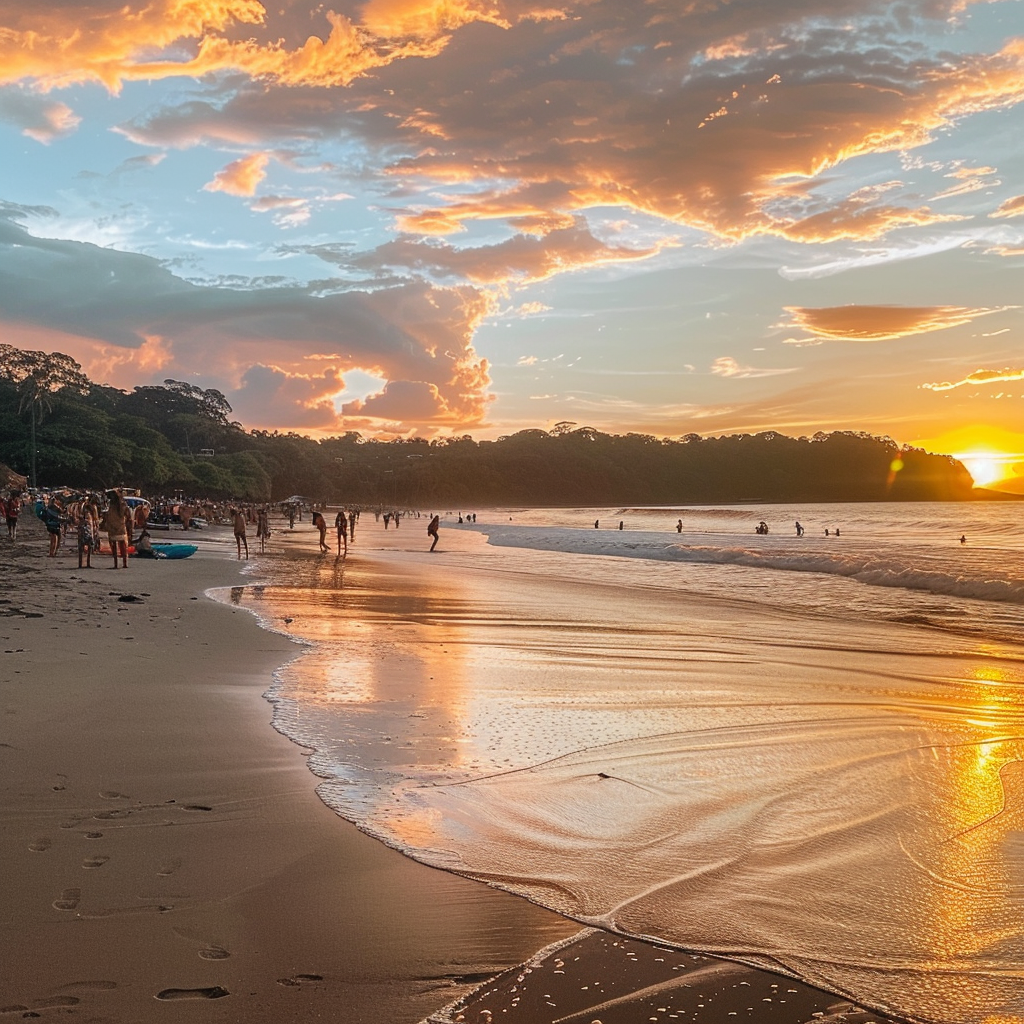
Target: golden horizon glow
(989, 454)
(988, 468)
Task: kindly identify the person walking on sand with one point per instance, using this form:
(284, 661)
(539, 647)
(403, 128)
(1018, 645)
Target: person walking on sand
(341, 526)
(321, 524)
(679, 526)
(11, 514)
(115, 522)
(799, 529)
(263, 527)
(432, 529)
(238, 523)
(352, 524)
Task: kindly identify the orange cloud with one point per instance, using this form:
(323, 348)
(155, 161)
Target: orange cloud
(883, 323)
(117, 44)
(852, 221)
(521, 258)
(240, 177)
(57, 47)
(1010, 208)
(977, 378)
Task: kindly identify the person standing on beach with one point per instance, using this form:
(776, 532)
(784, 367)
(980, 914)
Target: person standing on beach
(88, 531)
(115, 522)
(11, 514)
(799, 529)
(341, 526)
(432, 530)
(679, 526)
(321, 524)
(352, 524)
(238, 522)
(263, 527)
(51, 517)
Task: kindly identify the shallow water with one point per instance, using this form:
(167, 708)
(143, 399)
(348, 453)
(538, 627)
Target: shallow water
(777, 764)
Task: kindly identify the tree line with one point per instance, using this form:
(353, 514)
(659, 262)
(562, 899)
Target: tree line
(59, 428)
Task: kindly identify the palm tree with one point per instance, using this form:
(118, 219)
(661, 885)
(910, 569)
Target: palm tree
(35, 394)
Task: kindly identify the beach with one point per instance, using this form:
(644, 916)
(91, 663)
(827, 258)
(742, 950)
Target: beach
(658, 740)
(164, 853)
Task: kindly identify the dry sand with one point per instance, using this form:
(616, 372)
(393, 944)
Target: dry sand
(165, 856)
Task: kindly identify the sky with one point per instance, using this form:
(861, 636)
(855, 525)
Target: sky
(432, 217)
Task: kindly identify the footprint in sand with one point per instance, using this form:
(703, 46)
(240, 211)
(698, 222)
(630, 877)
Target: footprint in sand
(40, 845)
(95, 862)
(112, 794)
(54, 1001)
(68, 900)
(300, 979)
(170, 866)
(216, 992)
(214, 953)
(93, 835)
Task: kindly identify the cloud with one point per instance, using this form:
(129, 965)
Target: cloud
(532, 115)
(241, 177)
(246, 342)
(726, 366)
(403, 401)
(112, 44)
(521, 259)
(1010, 208)
(38, 117)
(977, 378)
(881, 323)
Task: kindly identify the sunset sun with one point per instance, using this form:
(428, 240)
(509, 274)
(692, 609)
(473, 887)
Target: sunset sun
(986, 468)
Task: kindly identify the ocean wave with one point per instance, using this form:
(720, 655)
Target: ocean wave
(892, 569)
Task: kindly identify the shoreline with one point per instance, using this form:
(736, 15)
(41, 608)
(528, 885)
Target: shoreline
(168, 847)
(382, 594)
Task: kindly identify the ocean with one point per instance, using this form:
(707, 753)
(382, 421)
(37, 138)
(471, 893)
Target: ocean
(804, 753)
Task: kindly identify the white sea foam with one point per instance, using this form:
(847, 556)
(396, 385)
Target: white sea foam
(910, 568)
